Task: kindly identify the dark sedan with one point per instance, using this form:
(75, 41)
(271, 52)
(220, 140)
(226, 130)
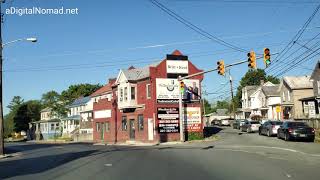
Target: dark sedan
(291, 130)
(270, 128)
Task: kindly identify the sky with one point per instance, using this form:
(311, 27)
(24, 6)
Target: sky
(105, 36)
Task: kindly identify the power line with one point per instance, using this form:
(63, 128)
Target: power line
(281, 66)
(297, 36)
(194, 27)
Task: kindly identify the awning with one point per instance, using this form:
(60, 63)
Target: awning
(74, 117)
(45, 121)
(308, 98)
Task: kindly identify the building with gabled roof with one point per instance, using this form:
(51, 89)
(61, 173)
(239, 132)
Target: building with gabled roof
(291, 90)
(144, 104)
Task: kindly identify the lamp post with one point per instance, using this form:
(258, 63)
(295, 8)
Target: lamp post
(1, 98)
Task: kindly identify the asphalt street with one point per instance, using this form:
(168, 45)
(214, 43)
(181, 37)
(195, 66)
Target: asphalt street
(234, 156)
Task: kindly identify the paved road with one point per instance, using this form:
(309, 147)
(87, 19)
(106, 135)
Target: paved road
(234, 156)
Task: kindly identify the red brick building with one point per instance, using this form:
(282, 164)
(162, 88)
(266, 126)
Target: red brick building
(144, 103)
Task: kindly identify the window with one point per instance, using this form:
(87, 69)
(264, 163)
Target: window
(140, 122)
(98, 127)
(283, 96)
(148, 89)
(121, 94)
(52, 127)
(126, 94)
(133, 93)
(107, 128)
(124, 123)
(289, 98)
(57, 125)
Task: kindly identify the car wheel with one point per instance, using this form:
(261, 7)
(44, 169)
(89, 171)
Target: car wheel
(268, 133)
(286, 137)
(278, 135)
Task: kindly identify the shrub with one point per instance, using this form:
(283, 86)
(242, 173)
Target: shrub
(195, 136)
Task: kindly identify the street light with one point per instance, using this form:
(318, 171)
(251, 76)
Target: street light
(31, 39)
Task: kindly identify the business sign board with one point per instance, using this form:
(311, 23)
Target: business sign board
(168, 120)
(102, 114)
(167, 90)
(192, 119)
(177, 67)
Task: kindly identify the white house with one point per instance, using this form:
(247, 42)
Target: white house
(245, 111)
(47, 128)
(273, 101)
(80, 108)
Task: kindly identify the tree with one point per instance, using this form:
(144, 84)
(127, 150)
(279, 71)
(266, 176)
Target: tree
(52, 100)
(8, 125)
(207, 106)
(224, 104)
(26, 113)
(78, 90)
(15, 103)
(251, 78)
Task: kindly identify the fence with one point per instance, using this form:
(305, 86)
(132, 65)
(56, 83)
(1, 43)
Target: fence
(315, 123)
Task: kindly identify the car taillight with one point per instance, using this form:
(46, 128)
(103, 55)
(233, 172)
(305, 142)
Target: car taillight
(290, 130)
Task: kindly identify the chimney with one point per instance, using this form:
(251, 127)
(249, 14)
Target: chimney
(111, 80)
(261, 82)
(131, 67)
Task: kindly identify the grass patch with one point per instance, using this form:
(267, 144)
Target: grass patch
(195, 136)
(317, 134)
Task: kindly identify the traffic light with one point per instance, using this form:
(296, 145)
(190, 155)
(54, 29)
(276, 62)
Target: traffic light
(221, 68)
(266, 56)
(182, 86)
(252, 60)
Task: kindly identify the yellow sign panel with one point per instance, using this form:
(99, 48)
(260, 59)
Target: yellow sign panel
(278, 109)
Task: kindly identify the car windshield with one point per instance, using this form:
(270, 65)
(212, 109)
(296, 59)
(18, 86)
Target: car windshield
(297, 124)
(255, 122)
(276, 122)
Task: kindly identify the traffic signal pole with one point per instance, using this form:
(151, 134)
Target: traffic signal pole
(180, 93)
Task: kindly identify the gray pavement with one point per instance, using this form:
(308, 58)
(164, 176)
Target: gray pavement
(234, 156)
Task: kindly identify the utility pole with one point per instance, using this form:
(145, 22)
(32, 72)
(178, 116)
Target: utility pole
(1, 104)
(181, 116)
(231, 91)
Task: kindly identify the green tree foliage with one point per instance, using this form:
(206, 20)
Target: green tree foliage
(207, 106)
(252, 77)
(78, 90)
(52, 99)
(15, 103)
(8, 125)
(224, 104)
(26, 113)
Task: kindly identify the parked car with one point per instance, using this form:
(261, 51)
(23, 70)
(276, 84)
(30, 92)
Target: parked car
(291, 130)
(238, 123)
(270, 128)
(250, 126)
(225, 122)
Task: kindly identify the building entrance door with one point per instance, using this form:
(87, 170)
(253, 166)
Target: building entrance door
(132, 129)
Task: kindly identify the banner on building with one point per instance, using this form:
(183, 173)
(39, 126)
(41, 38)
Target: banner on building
(167, 90)
(177, 67)
(192, 119)
(168, 120)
